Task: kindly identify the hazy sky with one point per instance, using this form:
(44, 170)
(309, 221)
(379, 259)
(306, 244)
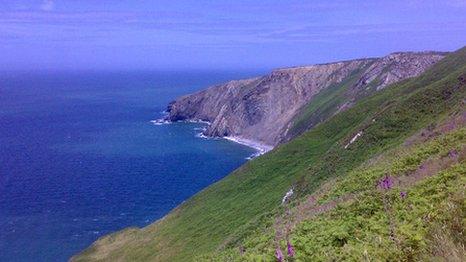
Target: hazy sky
(157, 34)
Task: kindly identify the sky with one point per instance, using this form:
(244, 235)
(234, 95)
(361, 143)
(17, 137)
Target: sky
(221, 34)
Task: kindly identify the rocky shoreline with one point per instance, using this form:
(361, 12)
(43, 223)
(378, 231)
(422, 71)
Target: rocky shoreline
(261, 148)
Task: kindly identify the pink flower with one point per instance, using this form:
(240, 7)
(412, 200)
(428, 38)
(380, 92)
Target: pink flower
(279, 254)
(403, 194)
(386, 183)
(290, 249)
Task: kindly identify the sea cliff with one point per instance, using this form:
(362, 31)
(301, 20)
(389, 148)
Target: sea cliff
(269, 109)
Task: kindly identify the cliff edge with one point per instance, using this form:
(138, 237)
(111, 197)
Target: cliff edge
(267, 109)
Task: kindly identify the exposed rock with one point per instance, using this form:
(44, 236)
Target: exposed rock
(398, 66)
(264, 108)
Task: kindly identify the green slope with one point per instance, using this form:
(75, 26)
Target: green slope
(350, 218)
(244, 203)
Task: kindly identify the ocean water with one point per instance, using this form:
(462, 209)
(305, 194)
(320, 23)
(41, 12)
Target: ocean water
(79, 157)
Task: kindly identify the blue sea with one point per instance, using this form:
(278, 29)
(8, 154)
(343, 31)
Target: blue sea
(79, 157)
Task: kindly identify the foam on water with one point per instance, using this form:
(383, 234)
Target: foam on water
(160, 122)
(260, 147)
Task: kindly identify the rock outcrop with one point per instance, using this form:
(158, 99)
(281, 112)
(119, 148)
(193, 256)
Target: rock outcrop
(265, 109)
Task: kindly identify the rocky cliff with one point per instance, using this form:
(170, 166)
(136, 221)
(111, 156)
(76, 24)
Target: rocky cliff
(278, 106)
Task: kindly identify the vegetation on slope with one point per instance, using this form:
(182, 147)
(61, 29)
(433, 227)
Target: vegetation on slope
(245, 204)
(419, 216)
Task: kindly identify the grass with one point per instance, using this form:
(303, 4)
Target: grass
(359, 227)
(245, 203)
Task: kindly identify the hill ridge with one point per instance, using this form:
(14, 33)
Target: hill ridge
(265, 109)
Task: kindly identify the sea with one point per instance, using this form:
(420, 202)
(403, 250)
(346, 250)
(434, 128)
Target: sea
(80, 157)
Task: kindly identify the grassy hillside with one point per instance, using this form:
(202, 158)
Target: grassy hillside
(246, 204)
(418, 217)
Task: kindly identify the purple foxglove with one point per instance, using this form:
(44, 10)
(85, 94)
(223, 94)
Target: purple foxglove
(403, 194)
(290, 249)
(278, 254)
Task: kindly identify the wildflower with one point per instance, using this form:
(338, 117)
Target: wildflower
(279, 254)
(290, 249)
(403, 194)
(386, 183)
(453, 154)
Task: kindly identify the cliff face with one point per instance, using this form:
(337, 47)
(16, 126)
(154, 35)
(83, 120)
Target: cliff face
(267, 109)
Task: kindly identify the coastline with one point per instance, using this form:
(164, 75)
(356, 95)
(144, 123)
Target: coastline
(260, 147)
